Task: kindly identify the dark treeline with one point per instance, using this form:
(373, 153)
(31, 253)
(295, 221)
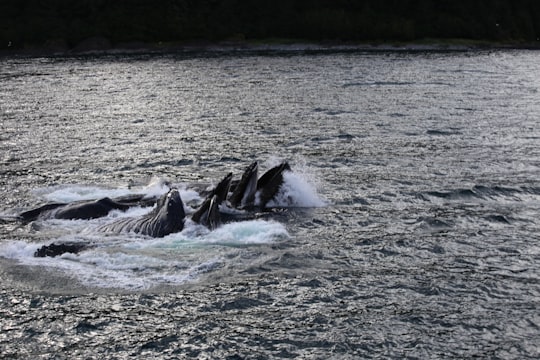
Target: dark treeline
(38, 23)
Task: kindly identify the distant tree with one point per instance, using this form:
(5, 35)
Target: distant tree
(36, 22)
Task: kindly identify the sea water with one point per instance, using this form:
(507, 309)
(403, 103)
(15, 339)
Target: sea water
(408, 227)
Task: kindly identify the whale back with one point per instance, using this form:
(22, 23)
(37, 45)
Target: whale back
(88, 209)
(84, 209)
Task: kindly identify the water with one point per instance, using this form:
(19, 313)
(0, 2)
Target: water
(411, 227)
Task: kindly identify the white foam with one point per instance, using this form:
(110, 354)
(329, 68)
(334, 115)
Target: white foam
(298, 190)
(106, 267)
(70, 193)
(103, 269)
(188, 195)
(18, 249)
(135, 262)
(252, 232)
(156, 187)
(244, 233)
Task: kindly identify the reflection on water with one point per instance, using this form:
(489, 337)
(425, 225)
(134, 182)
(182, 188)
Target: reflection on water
(422, 240)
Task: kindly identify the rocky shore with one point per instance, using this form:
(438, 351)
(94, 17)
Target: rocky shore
(103, 46)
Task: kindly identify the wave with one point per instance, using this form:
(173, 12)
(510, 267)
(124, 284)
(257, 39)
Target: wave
(482, 192)
(440, 132)
(379, 83)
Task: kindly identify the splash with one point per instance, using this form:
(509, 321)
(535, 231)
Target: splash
(299, 189)
(71, 193)
(132, 262)
(236, 234)
(245, 233)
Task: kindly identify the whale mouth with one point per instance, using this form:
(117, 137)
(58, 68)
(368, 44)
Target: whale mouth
(173, 199)
(244, 193)
(174, 204)
(174, 196)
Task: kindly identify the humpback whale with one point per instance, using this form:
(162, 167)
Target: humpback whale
(169, 215)
(208, 213)
(53, 249)
(251, 191)
(269, 184)
(244, 192)
(167, 218)
(244, 195)
(85, 209)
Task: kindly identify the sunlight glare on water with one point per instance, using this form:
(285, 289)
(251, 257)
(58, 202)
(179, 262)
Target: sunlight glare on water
(407, 229)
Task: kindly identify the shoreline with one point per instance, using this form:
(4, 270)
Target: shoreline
(102, 46)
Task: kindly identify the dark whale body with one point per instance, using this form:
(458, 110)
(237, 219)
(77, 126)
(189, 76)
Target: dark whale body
(53, 249)
(244, 192)
(269, 184)
(167, 218)
(243, 196)
(86, 209)
(264, 189)
(169, 214)
(208, 213)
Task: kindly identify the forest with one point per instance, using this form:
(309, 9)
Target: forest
(67, 23)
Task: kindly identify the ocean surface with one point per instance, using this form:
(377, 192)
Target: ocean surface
(409, 226)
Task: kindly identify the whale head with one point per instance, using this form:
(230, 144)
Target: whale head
(169, 214)
(173, 205)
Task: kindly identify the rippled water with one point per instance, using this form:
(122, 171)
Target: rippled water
(416, 174)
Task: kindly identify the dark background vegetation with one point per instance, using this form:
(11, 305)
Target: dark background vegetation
(68, 23)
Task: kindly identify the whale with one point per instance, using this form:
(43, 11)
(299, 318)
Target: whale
(245, 194)
(166, 218)
(208, 213)
(244, 191)
(221, 191)
(252, 191)
(54, 249)
(85, 209)
(249, 193)
(270, 183)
